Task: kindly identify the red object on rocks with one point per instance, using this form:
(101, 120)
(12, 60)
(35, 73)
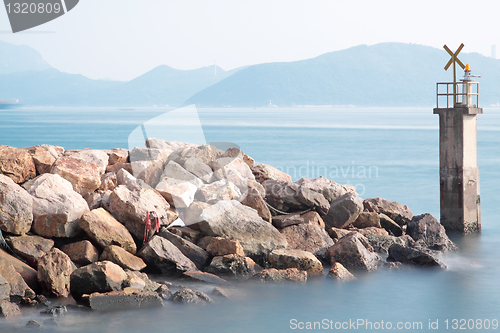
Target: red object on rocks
(147, 226)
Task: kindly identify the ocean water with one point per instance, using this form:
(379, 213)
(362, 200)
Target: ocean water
(384, 152)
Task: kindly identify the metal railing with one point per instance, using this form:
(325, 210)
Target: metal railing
(463, 95)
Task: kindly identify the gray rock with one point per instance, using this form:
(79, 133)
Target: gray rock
(9, 310)
(282, 275)
(401, 214)
(263, 172)
(330, 189)
(428, 232)
(307, 237)
(340, 273)
(354, 252)
(97, 277)
(233, 265)
(413, 256)
(4, 289)
(290, 197)
(178, 193)
(54, 271)
(253, 199)
(16, 207)
(176, 171)
(129, 298)
(30, 248)
(217, 191)
(18, 287)
(195, 253)
(388, 224)
(189, 296)
(343, 211)
(382, 243)
(97, 157)
(302, 260)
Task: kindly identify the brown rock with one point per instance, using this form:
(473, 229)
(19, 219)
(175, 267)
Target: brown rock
(337, 233)
(163, 257)
(118, 155)
(122, 258)
(140, 280)
(97, 277)
(220, 292)
(105, 230)
(366, 220)
(340, 273)
(96, 157)
(108, 182)
(282, 275)
(186, 233)
(42, 158)
(27, 273)
(220, 246)
(9, 310)
(233, 264)
(354, 252)
(195, 253)
(93, 199)
(372, 231)
(290, 197)
(117, 166)
(16, 207)
(189, 296)
(205, 277)
(30, 248)
(254, 200)
(18, 287)
(382, 243)
(131, 208)
(129, 298)
(401, 214)
(85, 177)
(4, 288)
(236, 153)
(343, 211)
(307, 237)
(388, 224)
(54, 270)
(429, 233)
(204, 241)
(17, 164)
(263, 172)
(302, 260)
(56, 207)
(330, 189)
(81, 253)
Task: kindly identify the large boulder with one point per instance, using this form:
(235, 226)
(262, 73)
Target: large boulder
(57, 208)
(195, 253)
(354, 252)
(367, 220)
(401, 214)
(233, 265)
(17, 164)
(105, 230)
(382, 243)
(18, 287)
(343, 211)
(30, 248)
(124, 259)
(97, 157)
(307, 237)
(16, 207)
(233, 220)
(85, 177)
(429, 233)
(42, 158)
(97, 277)
(282, 275)
(330, 189)
(163, 257)
(9, 310)
(302, 260)
(263, 172)
(28, 274)
(54, 271)
(413, 256)
(81, 253)
(131, 208)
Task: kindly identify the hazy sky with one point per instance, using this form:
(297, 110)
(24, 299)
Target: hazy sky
(121, 39)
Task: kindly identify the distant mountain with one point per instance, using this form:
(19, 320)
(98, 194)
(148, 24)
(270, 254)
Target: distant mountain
(14, 58)
(387, 74)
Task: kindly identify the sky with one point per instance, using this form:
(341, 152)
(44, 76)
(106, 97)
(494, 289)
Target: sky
(122, 39)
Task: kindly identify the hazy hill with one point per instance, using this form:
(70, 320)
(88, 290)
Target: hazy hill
(388, 74)
(14, 58)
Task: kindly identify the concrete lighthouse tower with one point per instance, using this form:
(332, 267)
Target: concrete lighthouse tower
(458, 170)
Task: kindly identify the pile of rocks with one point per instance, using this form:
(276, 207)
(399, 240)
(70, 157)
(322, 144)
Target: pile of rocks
(77, 220)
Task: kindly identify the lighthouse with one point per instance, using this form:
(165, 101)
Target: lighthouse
(457, 107)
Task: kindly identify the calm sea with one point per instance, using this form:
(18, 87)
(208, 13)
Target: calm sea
(384, 152)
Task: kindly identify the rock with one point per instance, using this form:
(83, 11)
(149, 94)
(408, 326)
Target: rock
(189, 296)
(204, 241)
(199, 169)
(9, 310)
(18, 287)
(230, 165)
(148, 171)
(105, 230)
(4, 289)
(372, 231)
(231, 219)
(131, 208)
(367, 220)
(282, 275)
(195, 253)
(236, 153)
(149, 154)
(119, 166)
(401, 214)
(93, 199)
(192, 215)
(81, 253)
(85, 177)
(178, 193)
(118, 155)
(162, 144)
(220, 292)
(263, 172)
(97, 277)
(354, 252)
(163, 257)
(206, 153)
(290, 197)
(129, 298)
(205, 277)
(413, 256)
(233, 265)
(254, 200)
(34, 324)
(343, 211)
(55, 151)
(337, 233)
(30, 248)
(307, 237)
(96, 157)
(302, 260)
(56, 207)
(187, 233)
(122, 258)
(56, 311)
(340, 273)
(146, 283)
(42, 158)
(217, 191)
(123, 177)
(388, 224)
(283, 221)
(28, 274)
(108, 182)
(16, 207)
(220, 246)
(176, 171)
(17, 164)
(54, 270)
(330, 189)
(382, 243)
(164, 292)
(428, 232)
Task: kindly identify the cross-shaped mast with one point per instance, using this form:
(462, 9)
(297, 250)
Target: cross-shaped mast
(454, 59)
